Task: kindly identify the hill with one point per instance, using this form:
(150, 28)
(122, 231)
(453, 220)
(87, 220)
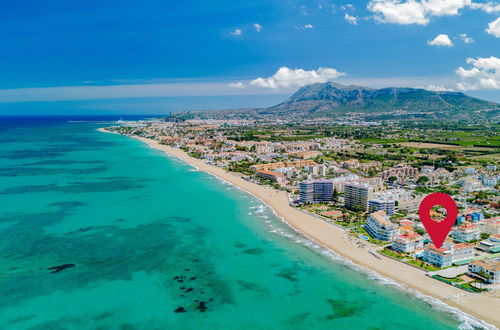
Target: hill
(329, 99)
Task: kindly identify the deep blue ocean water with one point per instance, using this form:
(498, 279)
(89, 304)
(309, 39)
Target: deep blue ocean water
(140, 235)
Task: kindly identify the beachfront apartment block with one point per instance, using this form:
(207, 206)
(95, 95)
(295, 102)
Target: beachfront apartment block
(490, 245)
(389, 206)
(410, 205)
(316, 191)
(408, 242)
(275, 177)
(386, 200)
(467, 232)
(321, 190)
(380, 227)
(448, 254)
(358, 194)
(487, 269)
(440, 257)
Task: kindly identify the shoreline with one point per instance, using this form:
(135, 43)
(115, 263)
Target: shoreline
(480, 306)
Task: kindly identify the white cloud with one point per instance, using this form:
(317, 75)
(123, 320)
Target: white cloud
(257, 27)
(441, 40)
(397, 12)
(286, 77)
(489, 7)
(347, 6)
(351, 19)
(444, 7)
(419, 12)
(494, 28)
(308, 26)
(484, 73)
(436, 88)
(238, 84)
(466, 39)
(237, 32)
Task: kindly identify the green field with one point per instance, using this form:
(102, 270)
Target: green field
(458, 138)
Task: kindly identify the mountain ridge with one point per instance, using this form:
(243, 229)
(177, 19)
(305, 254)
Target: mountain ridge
(399, 103)
(325, 99)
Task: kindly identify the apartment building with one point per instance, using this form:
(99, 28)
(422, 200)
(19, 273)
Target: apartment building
(490, 245)
(275, 177)
(487, 269)
(389, 206)
(402, 172)
(380, 227)
(358, 195)
(466, 233)
(448, 254)
(316, 191)
(408, 242)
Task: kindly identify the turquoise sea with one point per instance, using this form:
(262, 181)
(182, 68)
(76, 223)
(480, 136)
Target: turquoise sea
(99, 231)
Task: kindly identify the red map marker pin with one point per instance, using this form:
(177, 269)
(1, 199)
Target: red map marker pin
(438, 230)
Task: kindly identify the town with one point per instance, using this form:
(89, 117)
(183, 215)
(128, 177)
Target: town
(366, 178)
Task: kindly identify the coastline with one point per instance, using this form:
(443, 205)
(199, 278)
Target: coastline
(481, 306)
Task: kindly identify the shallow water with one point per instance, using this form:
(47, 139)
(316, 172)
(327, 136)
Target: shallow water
(142, 235)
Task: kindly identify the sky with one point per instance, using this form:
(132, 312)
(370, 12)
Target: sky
(153, 57)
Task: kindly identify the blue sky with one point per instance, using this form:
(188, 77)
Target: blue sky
(158, 56)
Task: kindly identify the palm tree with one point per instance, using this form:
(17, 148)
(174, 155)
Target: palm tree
(335, 196)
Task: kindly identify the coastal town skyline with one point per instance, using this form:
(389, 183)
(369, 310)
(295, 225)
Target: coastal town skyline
(350, 181)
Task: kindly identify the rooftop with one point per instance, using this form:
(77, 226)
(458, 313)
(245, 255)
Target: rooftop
(490, 264)
(270, 173)
(381, 218)
(432, 248)
(462, 246)
(467, 227)
(409, 236)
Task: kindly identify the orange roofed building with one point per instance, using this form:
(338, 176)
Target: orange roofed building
(274, 166)
(466, 233)
(408, 242)
(448, 254)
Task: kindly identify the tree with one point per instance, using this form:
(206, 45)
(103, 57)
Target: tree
(422, 180)
(420, 231)
(485, 235)
(358, 214)
(335, 195)
(393, 178)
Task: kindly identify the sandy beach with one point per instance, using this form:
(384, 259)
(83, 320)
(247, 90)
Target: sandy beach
(483, 306)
